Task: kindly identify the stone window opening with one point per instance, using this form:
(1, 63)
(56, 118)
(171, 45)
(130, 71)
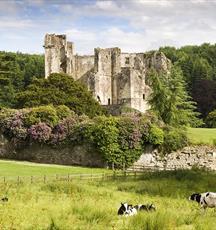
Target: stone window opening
(108, 101)
(143, 96)
(127, 60)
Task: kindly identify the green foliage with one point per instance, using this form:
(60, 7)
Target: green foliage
(198, 64)
(156, 135)
(16, 72)
(46, 114)
(7, 92)
(169, 99)
(103, 133)
(63, 111)
(59, 89)
(121, 140)
(174, 139)
(211, 120)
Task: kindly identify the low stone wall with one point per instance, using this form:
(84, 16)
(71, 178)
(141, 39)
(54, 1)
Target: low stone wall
(84, 155)
(186, 158)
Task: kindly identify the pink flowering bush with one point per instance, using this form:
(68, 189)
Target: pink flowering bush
(12, 124)
(40, 132)
(62, 131)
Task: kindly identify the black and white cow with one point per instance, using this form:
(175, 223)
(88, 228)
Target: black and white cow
(127, 210)
(145, 207)
(206, 200)
(4, 199)
(130, 210)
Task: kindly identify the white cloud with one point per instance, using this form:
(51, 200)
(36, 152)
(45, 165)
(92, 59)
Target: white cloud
(105, 5)
(132, 25)
(8, 23)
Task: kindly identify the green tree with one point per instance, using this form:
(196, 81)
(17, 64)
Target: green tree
(170, 100)
(59, 89)
(16, 72)
(7, 93)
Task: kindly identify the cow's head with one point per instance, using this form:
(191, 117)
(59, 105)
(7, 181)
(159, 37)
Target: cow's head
(124, 208)
(196, 197)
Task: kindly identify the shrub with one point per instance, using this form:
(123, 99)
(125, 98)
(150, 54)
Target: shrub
(11, 123)
(45, 114)
(64, 130)
(40, 132)
(63, 111)
(211, 119)
(103, 134)
(156, 135)
(174, 139)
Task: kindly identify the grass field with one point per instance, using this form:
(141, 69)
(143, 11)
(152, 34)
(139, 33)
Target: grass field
(201, 135)
(20, 168)
(93, 205)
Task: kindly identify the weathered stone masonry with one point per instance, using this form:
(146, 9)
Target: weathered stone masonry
(113, 77)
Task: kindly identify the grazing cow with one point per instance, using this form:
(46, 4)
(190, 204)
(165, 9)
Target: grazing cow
(145, 207)
(127, 210)
(4, 199)
(206, 200)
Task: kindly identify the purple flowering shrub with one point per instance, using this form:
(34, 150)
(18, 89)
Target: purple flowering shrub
(62, 131)
(12, 124)
(40, 132)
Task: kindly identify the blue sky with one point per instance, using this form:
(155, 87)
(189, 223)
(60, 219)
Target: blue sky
(132, 25)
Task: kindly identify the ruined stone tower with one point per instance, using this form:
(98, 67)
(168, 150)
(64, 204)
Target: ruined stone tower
(114, 78)
(58, 55)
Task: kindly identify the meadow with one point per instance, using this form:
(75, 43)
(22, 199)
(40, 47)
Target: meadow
(10, 168)
(202, 135)
(93, 205)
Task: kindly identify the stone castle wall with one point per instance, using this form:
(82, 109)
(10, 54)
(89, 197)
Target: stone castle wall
(114, 78)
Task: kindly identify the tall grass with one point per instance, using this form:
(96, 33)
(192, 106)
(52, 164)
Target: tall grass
(93, 205)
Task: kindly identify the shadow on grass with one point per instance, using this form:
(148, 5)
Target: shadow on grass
(178, 183)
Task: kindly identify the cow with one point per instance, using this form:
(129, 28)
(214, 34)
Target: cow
(127, 210)
(4, 199)
(206, 200)
(145, 207)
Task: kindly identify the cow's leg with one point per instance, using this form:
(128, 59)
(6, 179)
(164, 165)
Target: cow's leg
(203, 210)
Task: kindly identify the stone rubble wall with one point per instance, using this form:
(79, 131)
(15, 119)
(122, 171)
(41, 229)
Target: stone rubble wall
(186, 158)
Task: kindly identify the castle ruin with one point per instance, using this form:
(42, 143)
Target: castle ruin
(113, 77)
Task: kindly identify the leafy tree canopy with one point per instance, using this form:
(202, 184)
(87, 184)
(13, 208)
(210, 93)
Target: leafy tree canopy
(16, 72)
(59, 89)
